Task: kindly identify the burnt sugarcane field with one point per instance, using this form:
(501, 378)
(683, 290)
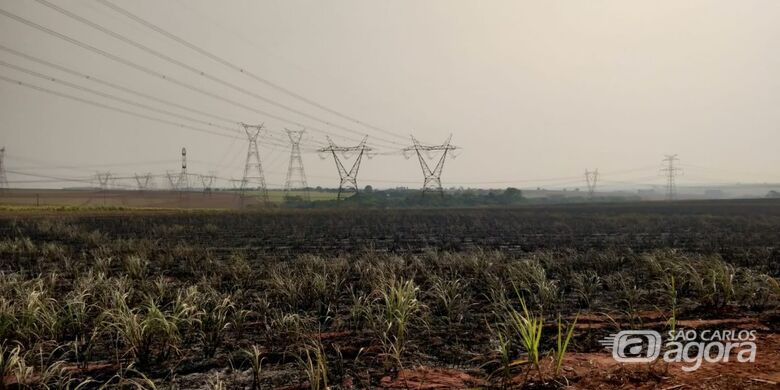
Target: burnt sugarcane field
(492, 298)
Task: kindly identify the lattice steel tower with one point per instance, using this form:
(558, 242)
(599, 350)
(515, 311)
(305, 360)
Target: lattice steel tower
(103, 179)
(591, 179)
(296, 177)
(432, 177)
(3, 176)
(671, 172)
(183, 183)
(347, 178)
(253, 169)
(208, 182)
(144, 181)
(180, 182)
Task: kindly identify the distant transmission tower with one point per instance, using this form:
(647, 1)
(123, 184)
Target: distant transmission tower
(432, 177)
(3, 176)
(208, 182)
(144, 181)
(183, 182)
(253, 169)
(671, 172)
(103, 179)
(347, 178)
(591, 179)
(296, 177)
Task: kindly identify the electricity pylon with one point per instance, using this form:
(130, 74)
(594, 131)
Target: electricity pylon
(296, 177)
(671, 172)
(172, 181)
(3, 176)
(347, 178)
(253, 169)
(208, 182)
(432, 177)
(183, 182)
(103, 179)
(591, 179)
(143, 181)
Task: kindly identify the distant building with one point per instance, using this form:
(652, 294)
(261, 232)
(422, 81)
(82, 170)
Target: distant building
(773, 194)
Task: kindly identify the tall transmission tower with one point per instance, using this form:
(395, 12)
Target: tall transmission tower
(183, 183)
(432, 176)
(347, 178)
(103, 179)
(144, 181)
(3, 176)
(253, 169)
(671, 172)
(591, 179)
(180, 182)
(296, 177)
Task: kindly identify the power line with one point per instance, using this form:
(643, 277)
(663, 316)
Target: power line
(241, 70)
(101, 105)
(109, 96)
(151, 72)
(125, 101)
(111, 85)
(194, 70)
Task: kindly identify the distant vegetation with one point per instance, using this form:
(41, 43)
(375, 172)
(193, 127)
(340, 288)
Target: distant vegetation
(398, 198)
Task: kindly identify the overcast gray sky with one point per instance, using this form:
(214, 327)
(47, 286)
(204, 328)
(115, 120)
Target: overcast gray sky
(531, 90)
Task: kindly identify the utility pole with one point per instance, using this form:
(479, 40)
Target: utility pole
(253, 169)
(347, 178)
(296, 177)
(591, 179)
(432, 177)
(3, 176)
(671, 172)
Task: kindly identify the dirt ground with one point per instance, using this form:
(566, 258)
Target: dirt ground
(118, 198)
(598, 370)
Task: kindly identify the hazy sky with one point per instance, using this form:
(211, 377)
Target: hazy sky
(531, 90)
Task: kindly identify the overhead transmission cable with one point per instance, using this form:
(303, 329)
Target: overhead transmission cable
(118, 109)
(243, 70)
(154, 73)
(110, 84)
(122, 100)
(197, 71)
(108, 96)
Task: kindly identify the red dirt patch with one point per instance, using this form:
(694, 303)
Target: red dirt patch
(599, 370)
(431, 378)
